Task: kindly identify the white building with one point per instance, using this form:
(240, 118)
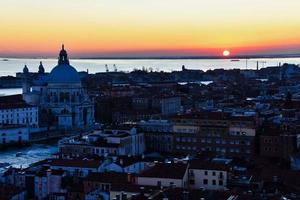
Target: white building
(14, 111)
(103, 143)
(209, 176)
(60, 95)
(10, 134)
(125, 164)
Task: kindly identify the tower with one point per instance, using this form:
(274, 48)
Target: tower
(63, 57)
(25, 80)
(41, 68)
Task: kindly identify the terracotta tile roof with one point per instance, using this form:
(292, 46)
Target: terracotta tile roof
(108, 177)
(166, 170)
(205, 165)
(13, 101)
(81, 163)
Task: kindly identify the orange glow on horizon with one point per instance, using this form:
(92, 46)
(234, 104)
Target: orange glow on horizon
(226, 53)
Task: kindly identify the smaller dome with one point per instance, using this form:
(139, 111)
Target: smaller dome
(25, 70)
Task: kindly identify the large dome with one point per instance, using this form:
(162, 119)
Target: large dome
(63, 73)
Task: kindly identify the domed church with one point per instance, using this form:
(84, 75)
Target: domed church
(60, 96)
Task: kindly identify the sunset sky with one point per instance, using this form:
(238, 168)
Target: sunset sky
(91, 28)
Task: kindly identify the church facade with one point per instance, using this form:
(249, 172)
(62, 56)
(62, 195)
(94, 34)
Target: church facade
(61, 99)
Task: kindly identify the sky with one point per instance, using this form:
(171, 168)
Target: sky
(104, 28)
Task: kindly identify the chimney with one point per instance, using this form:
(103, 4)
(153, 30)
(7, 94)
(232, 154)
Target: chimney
(185, 195)
(48, 172)
(129, 178)
(124, 196)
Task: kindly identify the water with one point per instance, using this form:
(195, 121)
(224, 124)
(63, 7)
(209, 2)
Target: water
(12, 66)
(28, 155)
(10, 91)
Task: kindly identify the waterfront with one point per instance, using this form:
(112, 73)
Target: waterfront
(11, 66)
(27, 155)
(10, 91)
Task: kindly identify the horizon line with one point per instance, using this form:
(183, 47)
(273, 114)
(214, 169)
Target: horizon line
(241, 56)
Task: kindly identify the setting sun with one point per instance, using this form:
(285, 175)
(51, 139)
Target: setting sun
(226, 53)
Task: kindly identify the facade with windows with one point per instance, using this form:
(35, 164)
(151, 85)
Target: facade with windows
(209, 176)
(215, 132)
(19, 114)
(12, 134)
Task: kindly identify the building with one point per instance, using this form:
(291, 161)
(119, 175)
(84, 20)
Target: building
(186, 131)
(109, 141)
(170, 105)
(216, 132)
(207, 175)
(14, 111)
(165, 175)
(104, 181)
(76, 167)
(159, 136)
(10, 192)
(13, 134)
(60, 95)
(274, 143)
(47, 182)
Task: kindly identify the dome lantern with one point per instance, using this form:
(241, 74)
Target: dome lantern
(64, 73)
(63, 56)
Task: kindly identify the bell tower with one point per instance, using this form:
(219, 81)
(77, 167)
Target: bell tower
(25, 81)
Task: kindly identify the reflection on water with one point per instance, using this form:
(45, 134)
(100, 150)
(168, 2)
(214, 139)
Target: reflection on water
(10, 91)
(27, 155)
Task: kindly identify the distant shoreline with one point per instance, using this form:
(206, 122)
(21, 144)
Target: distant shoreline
(165, 57)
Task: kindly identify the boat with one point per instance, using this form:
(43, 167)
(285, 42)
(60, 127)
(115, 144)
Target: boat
(5, 59)
(235, 60)
(20, 154)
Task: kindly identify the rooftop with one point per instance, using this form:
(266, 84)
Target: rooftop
(166, 170)
(205, 165)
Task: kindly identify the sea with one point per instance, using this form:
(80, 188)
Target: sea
(37, 152)
(9, 66)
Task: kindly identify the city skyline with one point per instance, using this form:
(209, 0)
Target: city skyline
(149, 28)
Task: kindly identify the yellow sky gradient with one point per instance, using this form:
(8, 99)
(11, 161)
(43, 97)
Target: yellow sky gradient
(167, 27)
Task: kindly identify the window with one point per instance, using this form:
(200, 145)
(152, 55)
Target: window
(158, 183)
(214, 182)
(221, 174)
(220, 182)
(205, 181)
(205, 172)
(213, 173)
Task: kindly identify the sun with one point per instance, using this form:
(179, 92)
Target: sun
(226, 53)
